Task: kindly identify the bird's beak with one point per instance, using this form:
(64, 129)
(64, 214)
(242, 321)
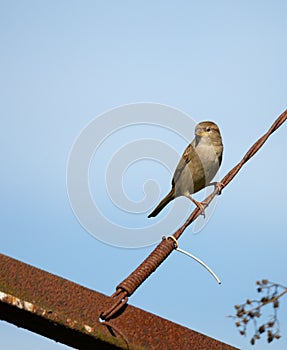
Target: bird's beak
(199, 132)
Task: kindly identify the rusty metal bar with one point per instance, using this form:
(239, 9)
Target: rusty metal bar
(69, 313)
(165, 247)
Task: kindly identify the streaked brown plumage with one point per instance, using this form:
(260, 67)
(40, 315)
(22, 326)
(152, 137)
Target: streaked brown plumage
(197, 166)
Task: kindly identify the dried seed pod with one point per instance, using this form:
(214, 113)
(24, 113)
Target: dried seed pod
(240, 313)
(245, 320)
(270, 338)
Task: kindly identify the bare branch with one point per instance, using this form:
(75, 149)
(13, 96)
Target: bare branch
(251, 312)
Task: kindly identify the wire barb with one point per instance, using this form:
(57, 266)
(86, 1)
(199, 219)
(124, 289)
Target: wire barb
(166, 246)
(194, 258)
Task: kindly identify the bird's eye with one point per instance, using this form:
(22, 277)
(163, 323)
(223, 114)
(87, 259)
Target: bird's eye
(208, 128)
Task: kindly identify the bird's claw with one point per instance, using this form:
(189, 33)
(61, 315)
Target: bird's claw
(219, 185)
(200, 205)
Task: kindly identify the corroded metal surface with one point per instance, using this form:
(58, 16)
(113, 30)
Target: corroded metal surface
(69, 313)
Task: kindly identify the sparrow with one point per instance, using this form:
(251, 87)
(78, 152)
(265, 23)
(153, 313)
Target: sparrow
(197, 166)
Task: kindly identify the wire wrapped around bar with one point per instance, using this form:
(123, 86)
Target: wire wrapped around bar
(132, 282)
(127, 287)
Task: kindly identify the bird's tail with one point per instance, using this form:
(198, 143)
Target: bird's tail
(169, 197)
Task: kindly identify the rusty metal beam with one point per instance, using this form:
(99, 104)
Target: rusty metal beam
(69, 313)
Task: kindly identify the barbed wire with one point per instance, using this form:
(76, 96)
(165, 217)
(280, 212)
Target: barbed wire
(127, 287)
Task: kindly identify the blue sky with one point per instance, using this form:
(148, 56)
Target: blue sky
(63, 63)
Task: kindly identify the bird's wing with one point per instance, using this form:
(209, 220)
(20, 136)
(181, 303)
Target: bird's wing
(185, 159)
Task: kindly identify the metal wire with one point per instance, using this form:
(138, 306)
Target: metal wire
(165, 247)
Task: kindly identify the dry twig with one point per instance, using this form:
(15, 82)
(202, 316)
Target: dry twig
(251, 311)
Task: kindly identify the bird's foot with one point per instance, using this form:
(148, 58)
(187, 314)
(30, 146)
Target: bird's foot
(218, 185)
(200, 205)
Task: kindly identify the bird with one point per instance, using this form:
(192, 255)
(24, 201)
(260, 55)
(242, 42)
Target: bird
(197, 167)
